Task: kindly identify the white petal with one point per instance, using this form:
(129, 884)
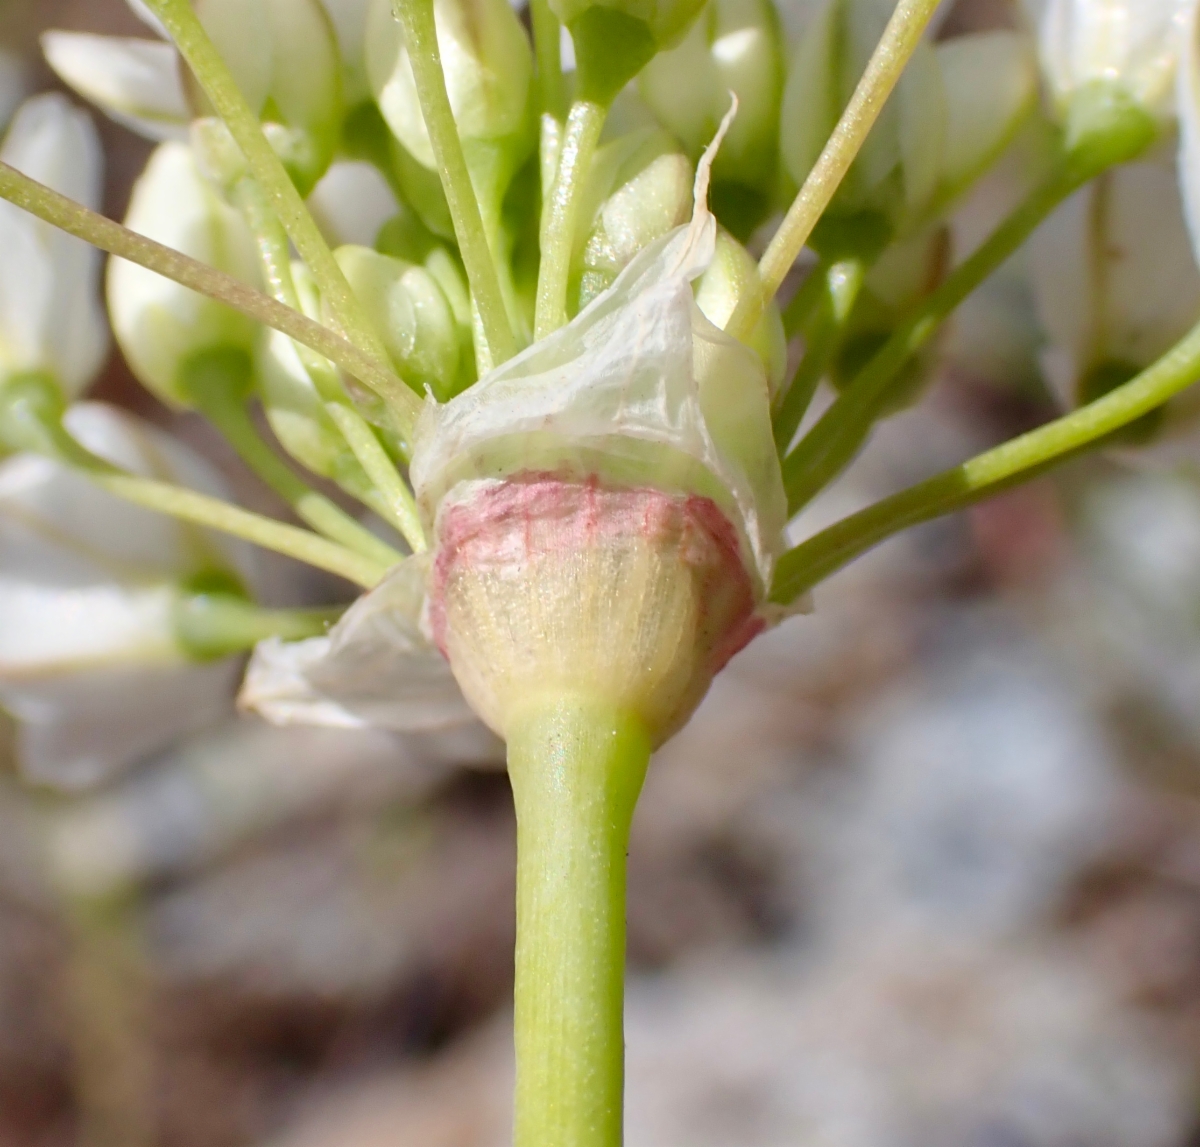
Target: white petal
(351, 203)
(1135, 42)
(52, 317)
(349, 19)
(135, 82)
(1113, 275)
(991, 85)
(241, 33)
(81, 729)
(48, 629)
(376, 669)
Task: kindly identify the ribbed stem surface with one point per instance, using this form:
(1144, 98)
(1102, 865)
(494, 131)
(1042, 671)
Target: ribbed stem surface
(577, 767)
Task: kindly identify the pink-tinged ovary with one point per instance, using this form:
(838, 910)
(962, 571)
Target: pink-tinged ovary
(544, 585)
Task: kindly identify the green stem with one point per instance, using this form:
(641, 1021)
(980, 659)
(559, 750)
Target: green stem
(218, 83)
(77, 220)
(584, 125)
(202, 510)
(225, 408)
(841, 285)
(577, 768)
(212, 625)
(396, 498)
(899, 41)
(1017, 461)
(845, 426)
(420, 33)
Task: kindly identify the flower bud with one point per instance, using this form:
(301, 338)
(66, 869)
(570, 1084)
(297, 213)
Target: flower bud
(159, 324)
(1116, 286)
(352, 203)
(93, 698)
(1110, 64)
(956, 107)
(51, 321)
(488, 67)
(411, 314)
(284, 55)
(639, 188)
(732, 272)
(734, 46)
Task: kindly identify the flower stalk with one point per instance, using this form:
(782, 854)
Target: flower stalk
(478, 254)
(1018, 460)
(581, 135)
(576, 766)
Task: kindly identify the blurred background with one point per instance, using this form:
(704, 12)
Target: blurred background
(923, 870)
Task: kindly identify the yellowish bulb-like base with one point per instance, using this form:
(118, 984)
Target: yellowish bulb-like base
(544, 586)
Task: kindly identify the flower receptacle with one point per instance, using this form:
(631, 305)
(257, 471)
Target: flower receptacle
(547, 587)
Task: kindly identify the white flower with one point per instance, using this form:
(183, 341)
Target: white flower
(1116, 286)
(1134, 44)
(279, 50)
(158, 323)
(50, 317)
(89, 661)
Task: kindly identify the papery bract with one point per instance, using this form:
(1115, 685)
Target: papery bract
(625, 462)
